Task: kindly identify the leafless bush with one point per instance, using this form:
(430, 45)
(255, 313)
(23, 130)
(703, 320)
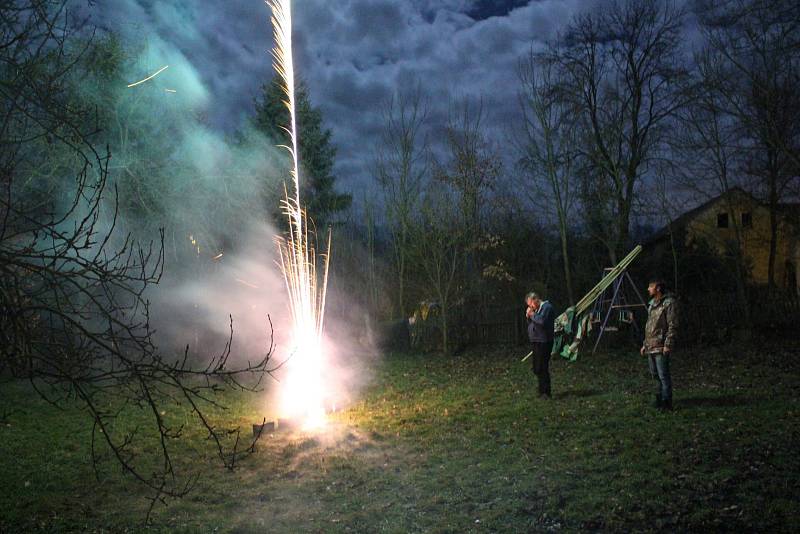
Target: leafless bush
(74, 318)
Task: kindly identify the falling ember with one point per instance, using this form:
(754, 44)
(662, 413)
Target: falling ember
(302, 390)
(245, 283)
(159, 71)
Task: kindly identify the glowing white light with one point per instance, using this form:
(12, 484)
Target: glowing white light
(303, 389)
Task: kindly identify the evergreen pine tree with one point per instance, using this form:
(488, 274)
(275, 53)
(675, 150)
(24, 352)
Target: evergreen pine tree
(321, 201)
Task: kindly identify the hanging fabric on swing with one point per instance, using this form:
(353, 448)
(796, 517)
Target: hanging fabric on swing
(567, 327)
(572, 326)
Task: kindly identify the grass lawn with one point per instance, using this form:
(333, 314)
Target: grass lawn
(457, 445)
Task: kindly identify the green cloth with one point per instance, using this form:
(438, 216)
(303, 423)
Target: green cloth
(561, 329)
(569, 333)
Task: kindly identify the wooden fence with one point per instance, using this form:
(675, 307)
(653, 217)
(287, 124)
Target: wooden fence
(720, 318)
(707, 318)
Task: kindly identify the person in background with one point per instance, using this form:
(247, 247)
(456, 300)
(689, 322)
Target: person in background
(659, 339)
(540, 316)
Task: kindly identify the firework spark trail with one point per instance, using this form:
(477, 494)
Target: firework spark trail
(159, 71)
(303, 391)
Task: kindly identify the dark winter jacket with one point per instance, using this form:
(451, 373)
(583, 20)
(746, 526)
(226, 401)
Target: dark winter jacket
(540, 324)
(662, 324)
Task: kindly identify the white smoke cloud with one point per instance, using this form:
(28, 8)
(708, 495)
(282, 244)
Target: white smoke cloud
(248, 286)
(213, 196)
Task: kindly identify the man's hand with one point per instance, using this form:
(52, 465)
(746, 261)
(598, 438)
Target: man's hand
(641, 350)
(529, 312)
(666, 351)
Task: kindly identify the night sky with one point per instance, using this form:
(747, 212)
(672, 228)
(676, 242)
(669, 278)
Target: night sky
(352, 54)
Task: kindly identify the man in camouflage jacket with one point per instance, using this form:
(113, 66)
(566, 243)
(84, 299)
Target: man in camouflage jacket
(659, 339)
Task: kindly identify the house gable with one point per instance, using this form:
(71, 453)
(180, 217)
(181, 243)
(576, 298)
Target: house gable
(717, 221)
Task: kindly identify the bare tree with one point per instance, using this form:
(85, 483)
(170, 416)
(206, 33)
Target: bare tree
(707, 146)
(401, 167)
(74, 315)
(439, 245)
(665, 208)
(756, 45)
(372, 275)
(548, 148)
(473, 165)
(622, 72)
(470, 170)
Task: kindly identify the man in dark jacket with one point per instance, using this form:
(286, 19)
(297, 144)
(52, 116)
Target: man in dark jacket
(659, 339)
(540, 316)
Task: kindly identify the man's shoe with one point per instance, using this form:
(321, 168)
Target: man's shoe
(666, 405)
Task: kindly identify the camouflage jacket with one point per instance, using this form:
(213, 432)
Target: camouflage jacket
(662, 324)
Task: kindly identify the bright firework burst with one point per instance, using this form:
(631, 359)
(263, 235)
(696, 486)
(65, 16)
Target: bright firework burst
(303, 389)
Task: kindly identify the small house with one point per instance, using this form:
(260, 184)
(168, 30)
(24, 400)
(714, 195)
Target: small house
(717, 222)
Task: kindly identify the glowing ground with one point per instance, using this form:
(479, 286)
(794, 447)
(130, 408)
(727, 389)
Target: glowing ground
(459, 445)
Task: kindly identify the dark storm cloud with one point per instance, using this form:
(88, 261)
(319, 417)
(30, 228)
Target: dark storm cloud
(368, 49)
(353, 54)
(483, 9)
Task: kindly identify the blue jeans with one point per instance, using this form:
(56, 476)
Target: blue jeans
(659, 368)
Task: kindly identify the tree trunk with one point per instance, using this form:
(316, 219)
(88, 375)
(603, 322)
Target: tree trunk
(401, 252)
(373, 280)
(565, 255)
(623, 233)
(401, 308)
(674, 250)
(741, 289)
(773, 232)
(445, 346)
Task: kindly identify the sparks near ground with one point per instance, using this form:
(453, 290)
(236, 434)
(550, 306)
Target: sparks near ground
(303, 391)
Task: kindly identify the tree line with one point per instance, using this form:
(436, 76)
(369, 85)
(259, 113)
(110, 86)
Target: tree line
(636, 109)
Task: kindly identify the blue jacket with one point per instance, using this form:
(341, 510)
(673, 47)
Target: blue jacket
(541, 324)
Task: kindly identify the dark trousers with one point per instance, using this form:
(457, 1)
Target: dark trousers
(540, 363)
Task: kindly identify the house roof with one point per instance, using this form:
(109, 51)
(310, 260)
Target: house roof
(789, 208)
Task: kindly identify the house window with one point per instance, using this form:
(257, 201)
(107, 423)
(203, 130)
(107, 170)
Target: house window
(747, 219)
(722, 220)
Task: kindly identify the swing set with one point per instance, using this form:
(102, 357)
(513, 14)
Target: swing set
(615, 299)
